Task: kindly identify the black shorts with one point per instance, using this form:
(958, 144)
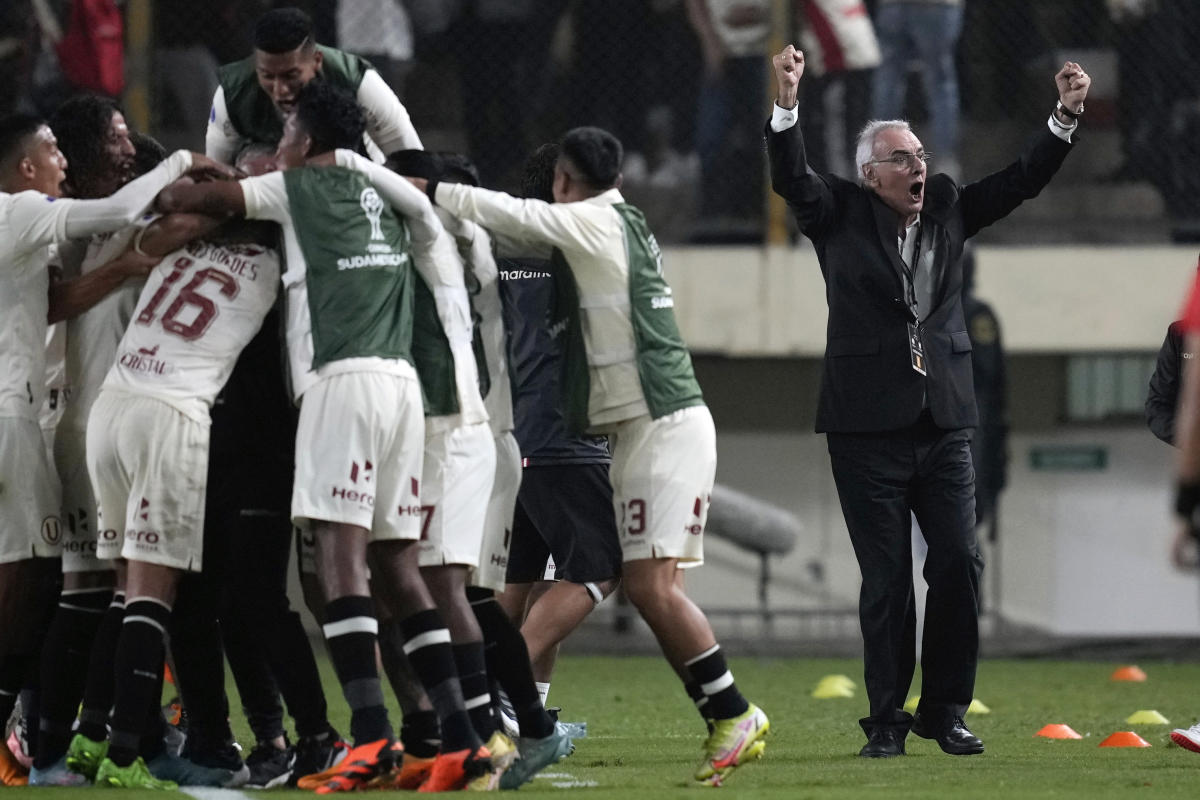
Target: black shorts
(565, 511)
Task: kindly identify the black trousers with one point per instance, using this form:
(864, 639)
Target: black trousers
(883, 479)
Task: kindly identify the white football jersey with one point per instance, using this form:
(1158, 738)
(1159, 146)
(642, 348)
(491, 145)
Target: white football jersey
(201, 305)
(29, 223)
(93, 336)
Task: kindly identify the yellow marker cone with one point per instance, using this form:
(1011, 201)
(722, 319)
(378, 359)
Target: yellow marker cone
(977, 707)
(1058, 731)
(831, 692)
(1129, 673)
(911, 705)
(1147, 717)
(837, 680)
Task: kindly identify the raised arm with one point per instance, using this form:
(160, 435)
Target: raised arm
(88, 217)
(997, 195)
(215, 199)
(221, 140)
(808, 194)
(570, 226)
(388, 122)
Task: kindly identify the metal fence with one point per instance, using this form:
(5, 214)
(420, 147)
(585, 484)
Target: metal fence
(686, 85)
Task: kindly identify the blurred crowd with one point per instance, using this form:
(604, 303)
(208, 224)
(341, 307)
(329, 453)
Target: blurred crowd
(683, 83)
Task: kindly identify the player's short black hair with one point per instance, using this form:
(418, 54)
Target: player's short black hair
(537, 181)
(81, 125)
(14, 130)
(149, 152)
(596, 153)
(331, 117)
(440, 166)
(282, 30)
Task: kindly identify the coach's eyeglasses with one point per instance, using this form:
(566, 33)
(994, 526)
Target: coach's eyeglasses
(903, 160)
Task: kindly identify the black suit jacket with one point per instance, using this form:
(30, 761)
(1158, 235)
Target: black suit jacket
(1165, 383)
(868, 383)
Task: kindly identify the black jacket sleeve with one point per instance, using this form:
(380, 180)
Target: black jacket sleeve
(1164, 387)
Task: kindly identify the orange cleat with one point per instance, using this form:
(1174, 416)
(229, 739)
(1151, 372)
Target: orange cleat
(453, 771)
(12, 773)
(367, 766)
(413, 772)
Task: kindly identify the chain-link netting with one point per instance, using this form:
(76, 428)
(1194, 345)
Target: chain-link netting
(686, 85)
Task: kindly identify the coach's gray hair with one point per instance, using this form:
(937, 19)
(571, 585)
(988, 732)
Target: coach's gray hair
(864, 151)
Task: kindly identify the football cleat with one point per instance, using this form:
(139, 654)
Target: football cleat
(732, 743)
(369, 765)
(56, 774)
(84, 755)
(12, 773)
(135, 776)
(1187, 738)
(504, 753)
(536, 755)
(317, 759)
(413, 771)
(453, 771)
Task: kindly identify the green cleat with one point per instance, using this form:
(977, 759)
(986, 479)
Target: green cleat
(84, 755)
(135, 776)
(732, 743)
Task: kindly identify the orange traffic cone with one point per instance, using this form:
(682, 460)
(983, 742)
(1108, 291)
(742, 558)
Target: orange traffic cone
(1058, 731)
(1124, 739)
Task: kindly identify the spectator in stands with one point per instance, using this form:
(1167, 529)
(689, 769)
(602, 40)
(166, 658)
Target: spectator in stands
(841, 49)
(925, 31)
(381, 32)
(733, 37)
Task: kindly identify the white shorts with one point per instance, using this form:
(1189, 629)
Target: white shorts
(460, 467)
(497, 525)
(662, 477)
(81, 528)
(149, 466)
(358, 454)
(29, 493)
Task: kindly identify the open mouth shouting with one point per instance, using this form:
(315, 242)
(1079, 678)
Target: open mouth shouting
(916, 191)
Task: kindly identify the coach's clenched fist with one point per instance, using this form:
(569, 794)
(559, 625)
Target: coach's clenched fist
(789, 66)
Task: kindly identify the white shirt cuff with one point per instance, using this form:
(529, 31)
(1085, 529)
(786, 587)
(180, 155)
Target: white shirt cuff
(1058, 130)
(783, 118)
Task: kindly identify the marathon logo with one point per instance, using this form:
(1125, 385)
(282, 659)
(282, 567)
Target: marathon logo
(521, 274)
(146, 364)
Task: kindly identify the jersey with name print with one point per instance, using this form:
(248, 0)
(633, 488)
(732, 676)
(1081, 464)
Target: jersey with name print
(201, 305)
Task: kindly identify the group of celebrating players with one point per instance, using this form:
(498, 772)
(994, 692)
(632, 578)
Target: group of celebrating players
(476, 410)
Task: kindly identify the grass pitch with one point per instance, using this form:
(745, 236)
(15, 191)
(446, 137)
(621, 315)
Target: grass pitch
(644, 737)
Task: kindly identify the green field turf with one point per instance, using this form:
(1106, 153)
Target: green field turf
(643, 736)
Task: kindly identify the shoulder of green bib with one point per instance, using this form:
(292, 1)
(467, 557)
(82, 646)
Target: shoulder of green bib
(342, 68)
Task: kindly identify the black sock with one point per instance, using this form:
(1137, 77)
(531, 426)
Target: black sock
(98, 690)
(154, 728)
(427, 645)
(290, 653)
(712, 675)
(137, 670)
(420, 734)
(350, 629)
(697, 694)
(12, 675)
(64, 664)
(508, 661)
(473, 680)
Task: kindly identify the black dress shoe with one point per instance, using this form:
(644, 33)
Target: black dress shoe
(954, 739)
(883, 743)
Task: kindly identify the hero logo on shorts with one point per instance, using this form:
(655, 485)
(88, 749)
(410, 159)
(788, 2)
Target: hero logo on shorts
(359, 473)
(372, 206)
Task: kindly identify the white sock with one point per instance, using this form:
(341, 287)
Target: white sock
(543, 690)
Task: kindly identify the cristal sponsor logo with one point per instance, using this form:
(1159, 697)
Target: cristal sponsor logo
(144, 361)
(521, 274)
(372, 206)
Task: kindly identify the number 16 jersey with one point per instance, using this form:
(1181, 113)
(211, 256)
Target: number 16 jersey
(201, 305)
